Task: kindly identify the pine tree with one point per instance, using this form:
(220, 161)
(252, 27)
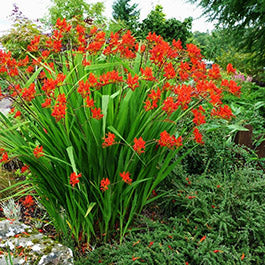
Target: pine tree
(129, 14)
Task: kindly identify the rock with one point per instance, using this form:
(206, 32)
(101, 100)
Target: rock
(10, 228)
(30, 247)
(5, 105)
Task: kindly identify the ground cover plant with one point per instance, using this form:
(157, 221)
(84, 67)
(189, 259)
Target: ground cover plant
(204, 219)
(100, 122)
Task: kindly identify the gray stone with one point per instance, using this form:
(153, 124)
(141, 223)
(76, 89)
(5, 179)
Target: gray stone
(10, 228)
(5, 105)
(39, 249)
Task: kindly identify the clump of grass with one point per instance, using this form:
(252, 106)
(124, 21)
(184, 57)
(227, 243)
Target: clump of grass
(7, 179)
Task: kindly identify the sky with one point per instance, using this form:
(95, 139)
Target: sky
(178, 9)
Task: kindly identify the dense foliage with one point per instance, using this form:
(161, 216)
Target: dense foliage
(219, 47)
(169, 29)
(71, 8)
(212, 219)
(244, 22)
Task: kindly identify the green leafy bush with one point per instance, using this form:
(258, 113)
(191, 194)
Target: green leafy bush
(101, 122)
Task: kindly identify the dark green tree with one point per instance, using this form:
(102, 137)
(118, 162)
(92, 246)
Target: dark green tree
(125, 12)
(169, 29)
(245, 21)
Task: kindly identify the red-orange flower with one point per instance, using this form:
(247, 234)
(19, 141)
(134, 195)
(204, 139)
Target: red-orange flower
(169, 141)
(58, 111)
(214, 72)
(30, 69)
(193, 51)
(28, 201)
(38, 151)
(149, 105)
(197, 136)
(4, 157)
(169, 106)
(96, 113)
(47, 103)
(62, 25)
(45, 54)
(83, 88)
(132, 81)
(139, 145)
(169, 71)
(89, 102)
(151, 244)
(199, 118)
(74, 178)
(110, 77)
(216, 251)
(104, 184)
(202, 239)
(147, 74)
(17, 114)
(24, 168)
(230, 68)
(126, 177)
(29, 93)
(224, 112)
(109, 140)
(155, 95)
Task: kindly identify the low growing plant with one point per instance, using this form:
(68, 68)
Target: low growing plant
(206, 219)
(101, 124)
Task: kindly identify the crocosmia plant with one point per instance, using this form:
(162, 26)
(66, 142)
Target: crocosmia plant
(101, 120)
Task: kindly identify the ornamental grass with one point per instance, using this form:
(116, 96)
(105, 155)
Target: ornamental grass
(101, 120)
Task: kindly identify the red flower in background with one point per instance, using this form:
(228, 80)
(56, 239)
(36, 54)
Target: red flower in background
(104, 184)
(83, 88)
(197, 136)
(62, 25)
(169, 141)
(45, 53)
(155, 95)
(28, 201)
(47, 103)
(126, 177)
(58, 111)
(230, 69)
(74, 178)
(4, 157)
(109, 140)
(133, 82)
(90, 102)
(38, 151)
(224, 112)
(199, 118)
(169, 105)
(139, 145)
(29, 93)
(147, 74)
(24, 168)
(214, 72)
(169, 71)
(96, 113)
(17, 114)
